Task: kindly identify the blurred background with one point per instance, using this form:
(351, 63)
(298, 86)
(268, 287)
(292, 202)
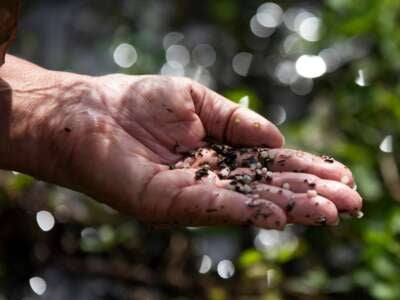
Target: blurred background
(327, 72)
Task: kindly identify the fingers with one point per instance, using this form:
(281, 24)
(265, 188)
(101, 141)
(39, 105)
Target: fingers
(345, 198)
(309, 199)
(227, 122)
(305, 208)
(206, 205)
(185, 197)
(299, 161)
(274, 160)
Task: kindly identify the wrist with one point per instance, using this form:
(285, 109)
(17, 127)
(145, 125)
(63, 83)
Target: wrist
(35, 106)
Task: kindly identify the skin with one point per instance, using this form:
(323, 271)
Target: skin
(114, 137)
(310, 199)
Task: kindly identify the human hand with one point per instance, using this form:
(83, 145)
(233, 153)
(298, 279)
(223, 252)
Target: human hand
(114, 137)
(310, 190)
(130, 130)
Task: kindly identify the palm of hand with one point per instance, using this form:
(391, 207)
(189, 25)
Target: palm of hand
(139, 127)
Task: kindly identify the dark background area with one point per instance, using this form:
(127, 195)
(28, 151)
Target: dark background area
(327, 72)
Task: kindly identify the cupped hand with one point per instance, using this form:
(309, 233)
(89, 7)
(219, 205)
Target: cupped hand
(309, 189)
(115, 137)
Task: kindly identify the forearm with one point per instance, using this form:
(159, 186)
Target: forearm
(30, 102)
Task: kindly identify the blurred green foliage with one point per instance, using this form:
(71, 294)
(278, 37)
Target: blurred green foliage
(359, 259)
(350, 122)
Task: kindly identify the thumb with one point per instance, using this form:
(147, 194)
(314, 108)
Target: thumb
(230, 123)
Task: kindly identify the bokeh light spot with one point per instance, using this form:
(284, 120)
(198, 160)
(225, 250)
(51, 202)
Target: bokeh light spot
(258, 30)
(293, 44)
(387, 144)
(203, 76)
(89, 232)
(172, 70)
(172, 38)
(205, 264)
(204, 55)
(285, 72)
(302, 86)
(309, 29)
(177, 55)
(310, 66)
(289, 17)
(360, 79)
(244, 102)
(225, 269)
(45, 220)
(241, 63)
(38, 285)
(125, 55)
(331, 57)
(300, 17)
(269, 14)
(276, 114)
(271, 242)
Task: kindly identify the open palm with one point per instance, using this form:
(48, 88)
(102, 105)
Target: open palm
(125, 131)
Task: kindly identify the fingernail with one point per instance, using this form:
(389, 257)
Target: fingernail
(359, 214)
(336, 223)
(345, 179)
